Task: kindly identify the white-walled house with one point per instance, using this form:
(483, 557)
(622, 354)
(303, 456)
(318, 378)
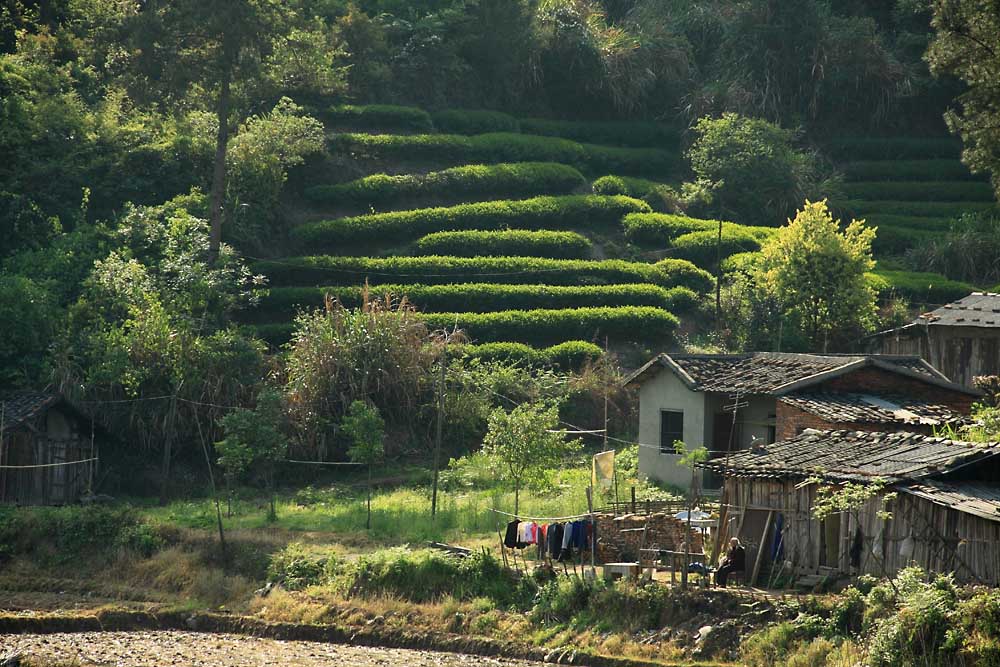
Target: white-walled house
(683, 397)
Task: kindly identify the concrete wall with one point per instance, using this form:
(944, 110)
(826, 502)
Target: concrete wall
(665, 391)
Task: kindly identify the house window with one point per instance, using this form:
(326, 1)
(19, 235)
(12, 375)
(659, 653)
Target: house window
(671, 429)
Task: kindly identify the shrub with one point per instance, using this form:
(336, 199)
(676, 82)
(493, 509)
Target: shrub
(926, 288)
(379, 117)
(425, 576)
(328, 270)
(703, 247)
(295, 567)
(478, 121)
(506, 147)
(282, 302)
(897, 148)
(950, 191)
(909, 170)
(968, 251)
(508, 242)
(929, 209)
(543, 327)
(634, 134)
(572, 211)
(518, 179)
(611, 185)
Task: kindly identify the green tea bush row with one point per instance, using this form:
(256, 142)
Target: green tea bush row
(282, 302)
(474, 121)
(659, 229)
(909, 170)
(703, 247)
(925, 288)
(566, 212)
(465, 182)
(949, 191)
(379, 117)
(893, 240)
(330, 270)
(909, 222)
(571, 355)
(638, 135)
(898, 148)
(927, 209)
(629, 186)
(544, 326)
(507, 147)
(506, 242)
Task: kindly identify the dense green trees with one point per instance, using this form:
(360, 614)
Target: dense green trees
(965, 45)
(756, 173)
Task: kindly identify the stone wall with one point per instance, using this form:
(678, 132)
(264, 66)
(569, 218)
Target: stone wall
(620, 538)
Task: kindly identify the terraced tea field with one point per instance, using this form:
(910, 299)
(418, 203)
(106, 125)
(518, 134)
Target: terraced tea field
(538, 237)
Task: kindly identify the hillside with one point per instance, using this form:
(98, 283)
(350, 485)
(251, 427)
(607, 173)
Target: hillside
(542, 232)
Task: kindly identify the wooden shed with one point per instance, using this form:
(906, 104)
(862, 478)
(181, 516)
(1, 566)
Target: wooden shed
(48, 452)
(945, 516)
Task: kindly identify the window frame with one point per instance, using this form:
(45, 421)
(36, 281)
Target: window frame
(668, 448)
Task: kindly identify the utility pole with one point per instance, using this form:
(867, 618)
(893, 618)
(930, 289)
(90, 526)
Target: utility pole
(437, 439)
(718, 282)
(733, 407)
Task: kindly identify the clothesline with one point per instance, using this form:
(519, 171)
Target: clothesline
(542, 518)
(48, 465)
(326, 463)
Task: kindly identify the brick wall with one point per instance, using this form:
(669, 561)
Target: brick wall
(620, 538)
(881, 381)
(791, 421)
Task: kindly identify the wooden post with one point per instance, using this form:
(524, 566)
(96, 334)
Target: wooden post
(633, 500)
(760, 549)
(593, 537)
(437, 438)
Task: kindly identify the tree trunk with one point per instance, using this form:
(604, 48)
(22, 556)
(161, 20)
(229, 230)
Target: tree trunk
(219, 169)
(168, 452)
(437, 439)
(272, 514)
(517, 498)
(368, 521)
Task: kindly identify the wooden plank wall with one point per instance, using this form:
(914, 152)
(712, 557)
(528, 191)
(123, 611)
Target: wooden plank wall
(942, 539)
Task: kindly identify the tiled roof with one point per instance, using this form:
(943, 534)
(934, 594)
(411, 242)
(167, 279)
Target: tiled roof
(980, 499)
(779, 373)
(979, 309)
(856, 455)
(873, 409)
(21, 407)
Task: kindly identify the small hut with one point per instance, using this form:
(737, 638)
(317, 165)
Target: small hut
(945, 516)
(48, 453)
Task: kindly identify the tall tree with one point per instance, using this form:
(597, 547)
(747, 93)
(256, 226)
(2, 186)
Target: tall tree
(817, 273)
(236, 53)
(524, 442)
(966, 45)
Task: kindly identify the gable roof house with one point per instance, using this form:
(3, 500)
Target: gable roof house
(945, 516)
(685, 397)
(47, 450)
(960, 338)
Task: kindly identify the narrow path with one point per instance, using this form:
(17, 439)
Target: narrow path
(191, 649)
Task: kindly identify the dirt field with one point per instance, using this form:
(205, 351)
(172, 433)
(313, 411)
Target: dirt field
(163, 648)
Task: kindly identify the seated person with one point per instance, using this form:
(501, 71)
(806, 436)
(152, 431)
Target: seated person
(735, 561)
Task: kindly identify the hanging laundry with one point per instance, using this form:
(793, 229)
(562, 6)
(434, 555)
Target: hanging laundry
(554, 539)
(543, 547)
(510, 535)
